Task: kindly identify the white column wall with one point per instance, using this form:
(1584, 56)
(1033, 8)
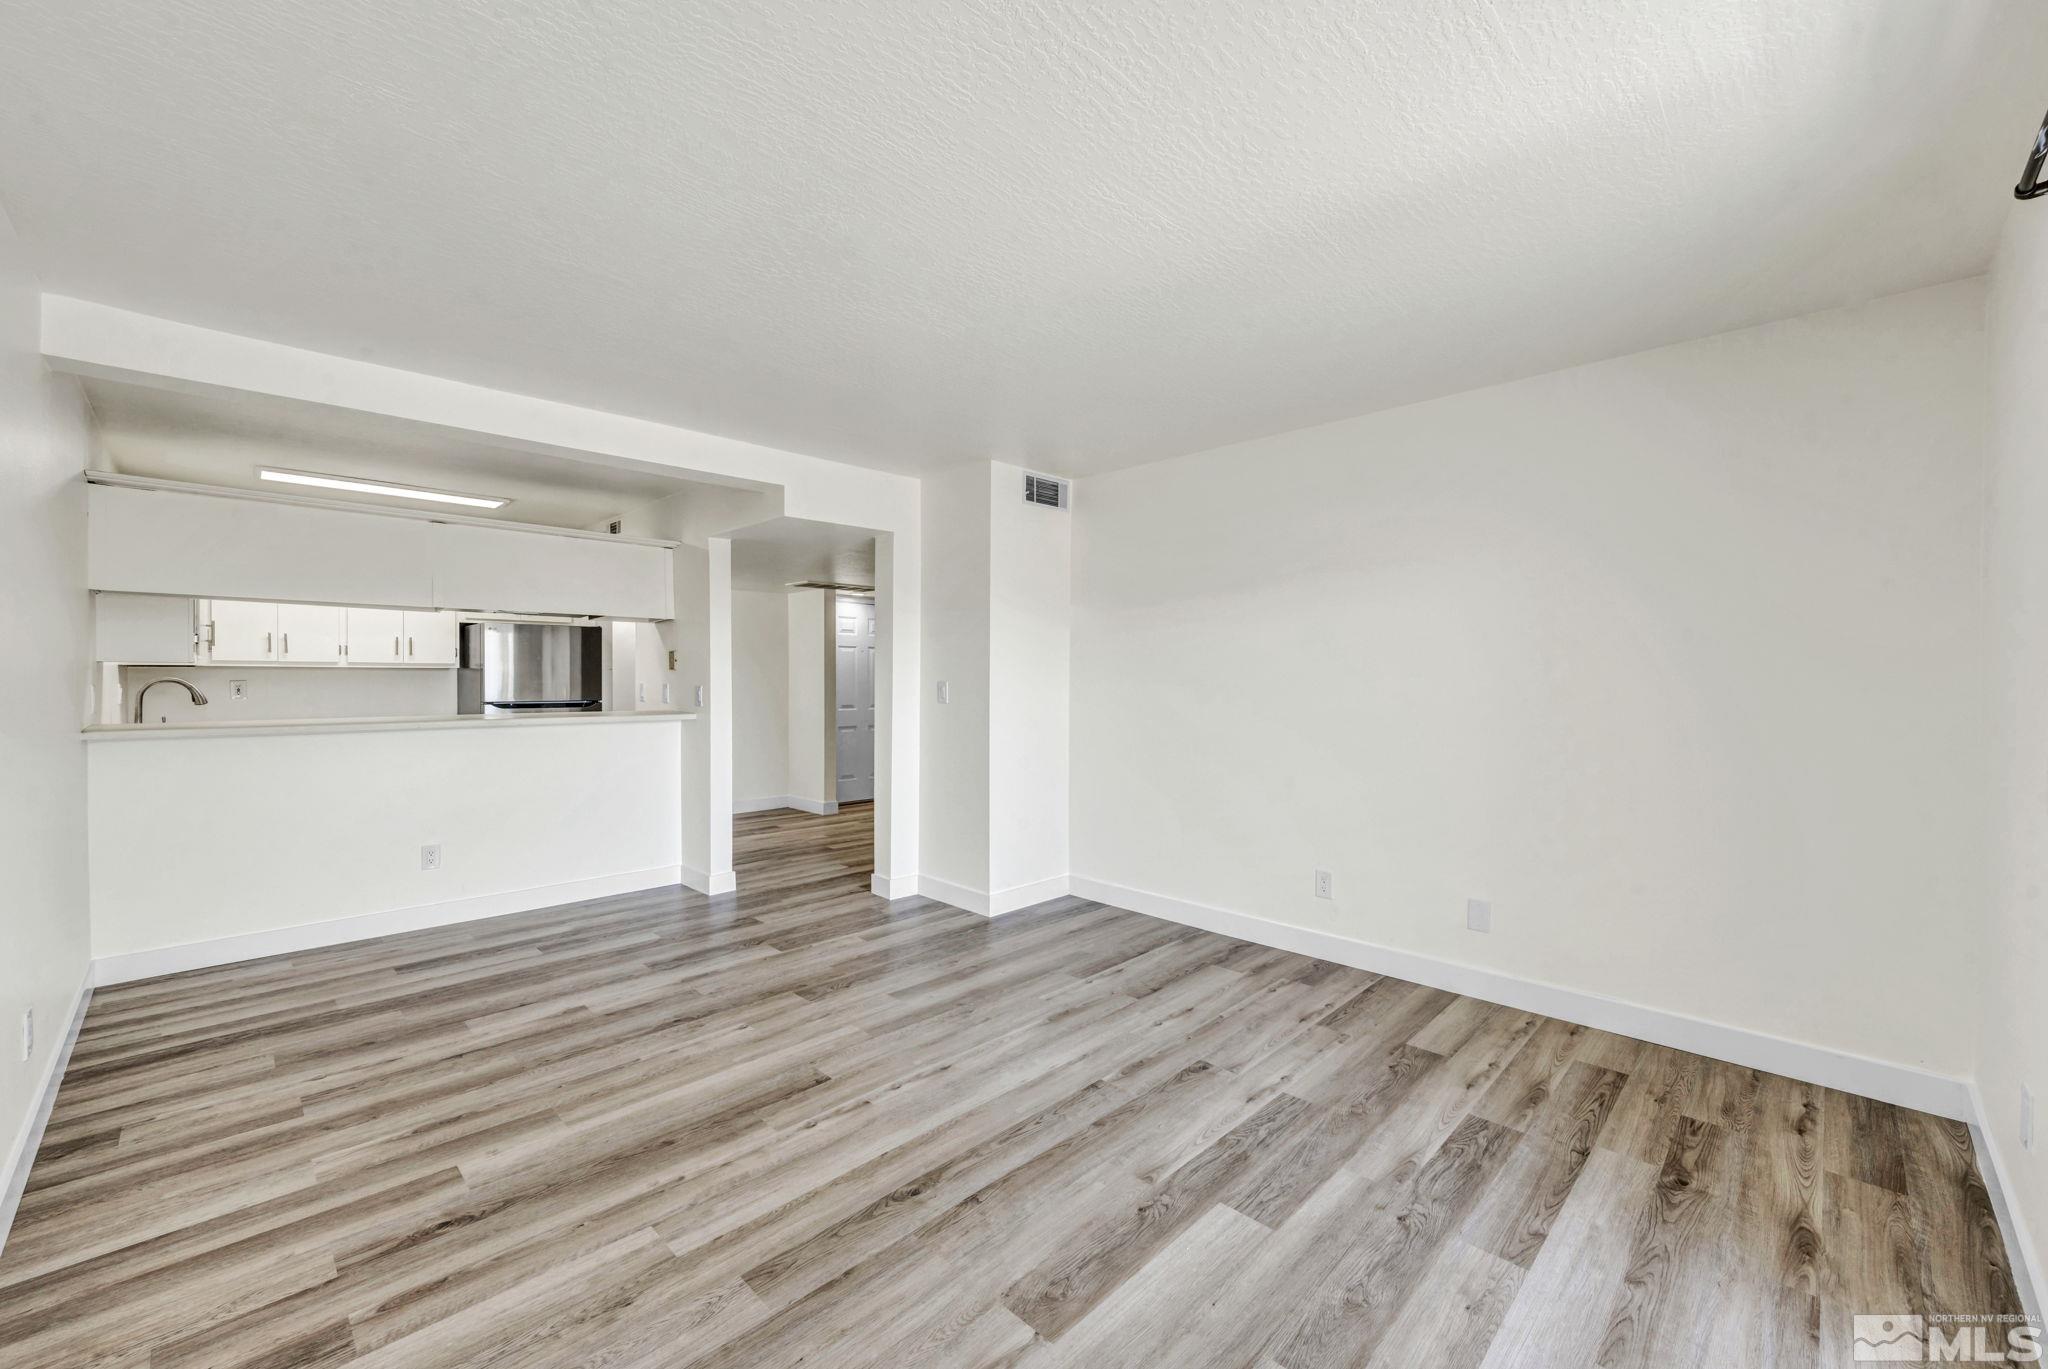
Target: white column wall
(1030, 632)
(810, 691)
(760, 698)
(899, 671)
(2013, 1049)
(955, 830)
(46, 621)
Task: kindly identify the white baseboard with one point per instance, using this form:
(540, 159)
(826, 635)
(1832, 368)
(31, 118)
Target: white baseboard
(199, 955)
(774, 801)
(723, 882)
(2028, 1271)
(893, 887)
(958, 895)
(1027, 895)
(993, 904)
(1903, 1085)
(14, 1178)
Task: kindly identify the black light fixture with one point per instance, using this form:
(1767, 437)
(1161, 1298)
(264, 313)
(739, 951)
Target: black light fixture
(2030, 186)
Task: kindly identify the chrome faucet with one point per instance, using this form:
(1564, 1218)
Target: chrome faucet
(197, 697)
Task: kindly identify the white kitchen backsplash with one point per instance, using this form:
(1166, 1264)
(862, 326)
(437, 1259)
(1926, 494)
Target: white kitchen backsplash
(276, 692)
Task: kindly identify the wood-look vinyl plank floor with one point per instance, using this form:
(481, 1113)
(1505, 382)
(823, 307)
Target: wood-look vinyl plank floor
(801, 1125)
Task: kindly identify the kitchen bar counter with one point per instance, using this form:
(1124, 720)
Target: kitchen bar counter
(102, 732)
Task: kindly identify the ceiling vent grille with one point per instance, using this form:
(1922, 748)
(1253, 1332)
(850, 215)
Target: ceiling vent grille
(1043, 489)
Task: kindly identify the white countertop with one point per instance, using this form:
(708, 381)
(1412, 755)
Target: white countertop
(103, 732)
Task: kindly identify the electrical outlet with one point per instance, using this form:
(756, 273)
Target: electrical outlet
(1478, 915)
(238, 690)
(430, 857)
(666, 697)
(643, 693)
(2026, 1118)
(1324, 885)
(945, 692)
(28, 1033)
(700, 696)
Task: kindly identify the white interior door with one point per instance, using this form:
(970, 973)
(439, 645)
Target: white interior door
(853, 645)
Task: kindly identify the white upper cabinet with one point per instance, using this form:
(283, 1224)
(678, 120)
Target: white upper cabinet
(138, 629)
(376, 636)
(511, 571)
(144, 629)
(308, 634)
(430, 638)
(153, 541)
(197, 543)
(242, 631)
(248, 633)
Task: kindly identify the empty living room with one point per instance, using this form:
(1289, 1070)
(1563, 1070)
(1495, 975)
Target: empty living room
(1171, 685)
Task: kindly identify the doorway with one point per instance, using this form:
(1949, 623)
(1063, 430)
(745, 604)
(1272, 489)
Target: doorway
(853, 673)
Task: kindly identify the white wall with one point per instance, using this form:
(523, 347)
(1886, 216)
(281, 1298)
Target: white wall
(45, 619)
(1676, 658)
(954, 847)
(760, 697)
(1030, 621)
(196, 838)
(688, 636)
(622, 661)
(2014, 1049)
(286, 692)
(812, 693)
(997, 616)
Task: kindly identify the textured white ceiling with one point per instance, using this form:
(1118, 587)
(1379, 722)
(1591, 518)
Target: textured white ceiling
(1066, 233)
(224, 438)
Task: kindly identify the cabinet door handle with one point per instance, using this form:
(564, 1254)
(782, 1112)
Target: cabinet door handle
(266, 644)
(408, 646)
(287, 644)
(394, 648)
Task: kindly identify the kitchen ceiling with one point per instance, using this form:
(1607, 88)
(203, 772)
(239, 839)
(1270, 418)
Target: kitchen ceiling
(1072, 235)
(225, 438)
(782, 553)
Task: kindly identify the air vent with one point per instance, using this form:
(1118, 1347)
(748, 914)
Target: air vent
(616, 526)
(1043, 489)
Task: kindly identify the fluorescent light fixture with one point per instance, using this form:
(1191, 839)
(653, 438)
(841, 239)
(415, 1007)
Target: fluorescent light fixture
(338, 482)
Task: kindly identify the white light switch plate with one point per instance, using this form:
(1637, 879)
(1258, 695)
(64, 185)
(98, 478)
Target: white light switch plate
(945, 692)
(1478, 915)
